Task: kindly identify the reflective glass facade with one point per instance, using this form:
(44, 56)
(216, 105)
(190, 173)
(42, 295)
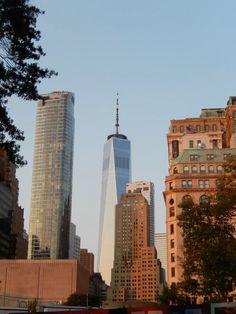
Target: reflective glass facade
(116, 174)
(52, 177)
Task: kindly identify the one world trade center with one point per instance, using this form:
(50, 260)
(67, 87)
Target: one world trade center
(116, 173)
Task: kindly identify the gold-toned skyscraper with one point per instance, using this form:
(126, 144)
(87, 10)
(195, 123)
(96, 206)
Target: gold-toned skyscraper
(52, 177)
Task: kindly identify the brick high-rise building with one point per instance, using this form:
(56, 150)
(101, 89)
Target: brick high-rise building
(136, 270)
(147, 190)
(87, 260)
(197, 149)
(12, 239)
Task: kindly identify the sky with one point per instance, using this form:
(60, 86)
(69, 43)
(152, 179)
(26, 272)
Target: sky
(166, 58)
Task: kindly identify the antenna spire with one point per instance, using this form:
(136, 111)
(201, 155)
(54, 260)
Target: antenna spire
(117, 114)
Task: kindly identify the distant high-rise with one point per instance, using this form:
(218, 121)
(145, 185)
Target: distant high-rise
(147, 190)
(116, 173)
(13, 244)
(52, 177)
(161, 247)
(87, 260)
(136, 269)
(74, 244)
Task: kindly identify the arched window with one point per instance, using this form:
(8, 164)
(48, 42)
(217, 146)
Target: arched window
(186, 201)
(194, 169)
(203, 199)
(185, 169)
(219, 168)
(171, 201)
(187, 197)
(202, 168)
(210, 169)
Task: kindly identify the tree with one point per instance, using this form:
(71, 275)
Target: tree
(83, 300)
(19, 69)
(32, 306)
(209, 260)
(172, 295)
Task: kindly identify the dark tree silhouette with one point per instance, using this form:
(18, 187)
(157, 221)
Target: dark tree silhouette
(19, 69)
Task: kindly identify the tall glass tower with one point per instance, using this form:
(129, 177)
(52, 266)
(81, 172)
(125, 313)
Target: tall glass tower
(52, 177)
(116, 173)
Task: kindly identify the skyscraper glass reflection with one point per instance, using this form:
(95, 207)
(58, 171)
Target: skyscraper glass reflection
(116, 173)
(52, 177)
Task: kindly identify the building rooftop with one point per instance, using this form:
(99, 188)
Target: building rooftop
(212, 112)
(120, 136)
(218, 155)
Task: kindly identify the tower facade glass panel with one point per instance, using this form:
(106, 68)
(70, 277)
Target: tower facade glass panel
(116, 174)
(52, 177)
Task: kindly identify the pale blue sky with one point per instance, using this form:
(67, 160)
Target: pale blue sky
(166, 58)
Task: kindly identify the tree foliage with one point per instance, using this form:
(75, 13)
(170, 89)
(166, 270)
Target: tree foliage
(173, 295)
(19, 69)
(208, 229)
(83, 300)
(32, 306)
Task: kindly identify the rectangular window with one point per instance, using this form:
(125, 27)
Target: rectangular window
(226, 156)
(200, 184)
(203, 184)
(172, 272)
(172, 211)
(210, 156)
(198, 128)
(214, 143)
(181, 129)
(174, 129)
(172, 257)
(206, 128)
(171, 229)
(193, 157)
(172, 243)
(184, 184)
(191, 144)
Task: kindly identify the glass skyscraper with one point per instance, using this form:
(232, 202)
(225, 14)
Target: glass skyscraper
(52, 177)
(116, 173)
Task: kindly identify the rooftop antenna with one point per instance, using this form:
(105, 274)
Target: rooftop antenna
(117, 114)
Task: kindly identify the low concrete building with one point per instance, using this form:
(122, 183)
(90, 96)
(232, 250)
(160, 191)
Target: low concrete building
(47, 281)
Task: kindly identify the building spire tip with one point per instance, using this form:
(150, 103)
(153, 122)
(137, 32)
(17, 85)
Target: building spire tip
(117, 114)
